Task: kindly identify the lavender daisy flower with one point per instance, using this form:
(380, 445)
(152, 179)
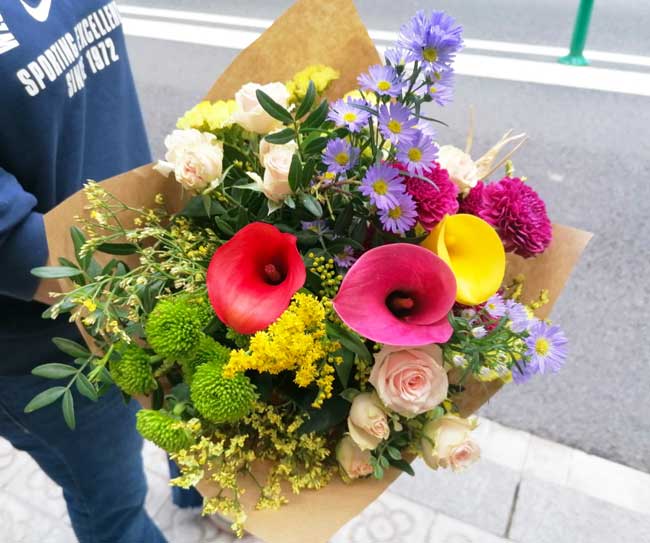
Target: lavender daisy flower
(381, 79)
(518, 315)
(400, 218)
(318, 226)
(547, 347)
(346, 113)
(345, 258)
(440, 87)
(433, 40)
(383, 185)
(396, 56)
(496, 306)
(417, 153)
(396, 122)
(479, 332)
(521, 373)
(340, 156)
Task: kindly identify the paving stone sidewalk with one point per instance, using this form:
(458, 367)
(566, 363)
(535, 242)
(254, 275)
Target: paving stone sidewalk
(524, 490)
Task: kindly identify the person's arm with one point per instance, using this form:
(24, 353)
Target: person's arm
(23, 244)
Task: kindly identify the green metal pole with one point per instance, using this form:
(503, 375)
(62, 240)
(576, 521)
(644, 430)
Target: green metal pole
(580, 30)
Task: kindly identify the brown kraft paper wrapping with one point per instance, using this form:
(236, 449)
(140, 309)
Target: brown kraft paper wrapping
(311, 32)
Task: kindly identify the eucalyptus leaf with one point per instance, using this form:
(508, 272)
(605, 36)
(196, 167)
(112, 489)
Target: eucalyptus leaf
(67, 406)
(71, 348)
(85, 387)
(117, 248)
(55, 272)
(295, 173)
(402, 465)
(350, 394)
(318, 116)
(315, 146)
(349, 340)
(44, 398)
(312, 205)
(274, 109)
(54, 371)
(78, 240)
(344, 369)
(283, 136)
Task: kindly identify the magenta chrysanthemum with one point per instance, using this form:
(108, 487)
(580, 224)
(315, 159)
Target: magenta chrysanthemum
(434, 200)
(473, 203)
(518, 214)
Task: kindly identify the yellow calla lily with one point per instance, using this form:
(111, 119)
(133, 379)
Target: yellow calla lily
(474, 252)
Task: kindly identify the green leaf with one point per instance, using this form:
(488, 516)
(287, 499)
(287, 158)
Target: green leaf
(157, 398)
(45, 398)
(85, 387)
(318, 116)
(344, 220)
(250, 186)
(383, 462)
(344, 369)
(307, 172)
(117, 248)
(394, 453)
(78, 240)
(196, 208)
(378, 471)
(290, 202)
(350, 394)
(55, 272)
(224, 226)
(308, 101)
(333, 411)
(67, 406)
(316, 145)
(295, 173)
(312, 205)
(349, 340)
(274, 109)
(402, 465)
(283, 136)
(54, 371)
(71, 348)
(110, 266)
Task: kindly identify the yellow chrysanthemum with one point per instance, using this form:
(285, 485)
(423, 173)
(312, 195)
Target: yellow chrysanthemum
(320, 74)
(208, 116)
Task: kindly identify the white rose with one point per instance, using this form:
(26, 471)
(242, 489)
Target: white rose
(367, 423)
(249, 113)
(277, 162)
(196, 158)
(462, 169)
(447, 443)
(265, 148)
(354, 461)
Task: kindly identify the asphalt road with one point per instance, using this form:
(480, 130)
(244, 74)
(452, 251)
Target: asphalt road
(588, 156)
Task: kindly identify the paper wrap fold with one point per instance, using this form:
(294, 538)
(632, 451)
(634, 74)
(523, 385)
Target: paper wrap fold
(331, 33)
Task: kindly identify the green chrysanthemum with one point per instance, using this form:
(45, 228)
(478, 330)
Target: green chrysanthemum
(174, 327)
(208, 350)
(219, 399)
(132, 371)
(203, 308)
(163, 430)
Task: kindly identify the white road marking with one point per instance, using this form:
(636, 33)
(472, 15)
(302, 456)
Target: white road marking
(383, 35)
(511, 69)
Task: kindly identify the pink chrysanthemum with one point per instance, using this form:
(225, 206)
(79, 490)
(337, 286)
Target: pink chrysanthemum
(518, 214)
(434, 200)
(473, 202)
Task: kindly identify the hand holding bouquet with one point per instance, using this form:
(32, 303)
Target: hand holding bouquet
(329, 294)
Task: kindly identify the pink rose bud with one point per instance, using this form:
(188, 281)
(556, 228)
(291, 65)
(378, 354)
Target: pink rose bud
(447, 443)
(354, 462)
(367, 423)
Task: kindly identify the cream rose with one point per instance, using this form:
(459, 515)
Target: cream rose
(462, 169)
(447, 443)
(249, 113)
(196, 158)
(410, 380)
(276, 160)
(367, 423)
(354, 461)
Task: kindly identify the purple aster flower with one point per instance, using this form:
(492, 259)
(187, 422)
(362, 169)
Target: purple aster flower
(381, 79)
(396, 122)
(440, 87)
(318, 226)
(383, 185)
(547, 347)
(518, 315)
(433, 40)
(521, 373)
(345, 113)
(400, 218)
(396, 56)
(479, 332)
(345, 258)
(496, 306)
(340, 156)
(417, 153)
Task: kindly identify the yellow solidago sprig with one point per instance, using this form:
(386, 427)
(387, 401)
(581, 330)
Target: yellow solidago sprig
(208, 116)
(321, 75)
(296, 342)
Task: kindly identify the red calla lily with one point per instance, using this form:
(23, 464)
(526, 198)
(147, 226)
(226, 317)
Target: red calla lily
(252, 277)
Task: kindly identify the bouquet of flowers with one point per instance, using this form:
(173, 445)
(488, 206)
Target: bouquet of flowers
(316, 289)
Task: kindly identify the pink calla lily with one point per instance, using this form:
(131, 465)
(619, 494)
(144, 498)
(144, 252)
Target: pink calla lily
(398, 294)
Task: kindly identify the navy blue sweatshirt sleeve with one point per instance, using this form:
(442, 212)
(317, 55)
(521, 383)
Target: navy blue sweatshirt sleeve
(23, 244)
